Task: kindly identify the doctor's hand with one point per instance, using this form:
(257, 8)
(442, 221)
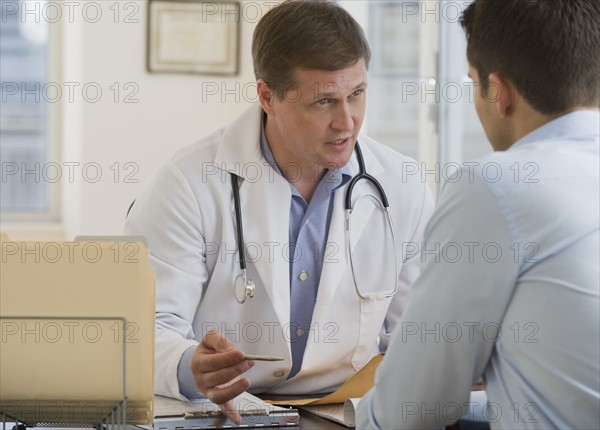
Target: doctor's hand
(217, 367)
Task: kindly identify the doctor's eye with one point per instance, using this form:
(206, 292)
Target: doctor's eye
(357, 93)
(323, 101)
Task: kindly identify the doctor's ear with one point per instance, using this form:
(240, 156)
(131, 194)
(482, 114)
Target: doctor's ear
(266, 96)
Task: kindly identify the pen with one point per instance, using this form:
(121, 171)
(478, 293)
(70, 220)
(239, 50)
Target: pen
(263, 358)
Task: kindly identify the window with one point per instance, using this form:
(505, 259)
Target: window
(420, 99)
(25, 130)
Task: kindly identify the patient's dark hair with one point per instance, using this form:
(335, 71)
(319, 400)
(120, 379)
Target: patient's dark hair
(307, 35)
(549, 49)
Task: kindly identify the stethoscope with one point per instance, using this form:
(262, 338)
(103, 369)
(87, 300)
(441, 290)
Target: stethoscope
(244, 287)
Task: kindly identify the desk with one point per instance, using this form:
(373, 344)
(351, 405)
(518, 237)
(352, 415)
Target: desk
(308, 421)
(311, 421)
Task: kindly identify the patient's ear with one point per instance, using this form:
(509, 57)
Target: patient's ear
(503, 93)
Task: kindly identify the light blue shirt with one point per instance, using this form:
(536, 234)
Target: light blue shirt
(509, 289)
(308, 231)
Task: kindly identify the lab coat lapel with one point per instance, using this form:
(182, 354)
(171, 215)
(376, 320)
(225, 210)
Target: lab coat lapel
(266, 210)
(332, 273)
(265, 205)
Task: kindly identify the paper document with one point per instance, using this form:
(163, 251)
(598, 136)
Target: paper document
(344, 414)
(340, 405)
(355, 387)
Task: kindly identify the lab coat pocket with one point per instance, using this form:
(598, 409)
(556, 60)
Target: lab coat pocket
(372, 314)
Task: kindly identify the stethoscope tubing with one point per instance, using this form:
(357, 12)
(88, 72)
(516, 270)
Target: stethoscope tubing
(362, 175)
(238, 216)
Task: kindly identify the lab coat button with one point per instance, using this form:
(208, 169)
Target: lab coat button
(278, 374)
(303, 276)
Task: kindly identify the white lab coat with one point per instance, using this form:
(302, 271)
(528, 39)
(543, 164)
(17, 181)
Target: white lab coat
(187, 216)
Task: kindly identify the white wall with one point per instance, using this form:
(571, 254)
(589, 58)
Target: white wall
(170, 112)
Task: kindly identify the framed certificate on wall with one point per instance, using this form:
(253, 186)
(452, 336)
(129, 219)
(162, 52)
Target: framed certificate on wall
(190, 36)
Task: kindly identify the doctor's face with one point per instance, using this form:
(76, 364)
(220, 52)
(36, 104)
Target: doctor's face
(316, 124)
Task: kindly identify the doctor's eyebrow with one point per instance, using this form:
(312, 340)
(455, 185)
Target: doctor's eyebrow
(331, 94)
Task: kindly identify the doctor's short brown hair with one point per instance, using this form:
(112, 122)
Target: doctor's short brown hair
(549, 49)
(305, 34)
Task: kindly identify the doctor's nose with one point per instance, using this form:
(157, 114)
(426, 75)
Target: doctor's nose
(343, 118)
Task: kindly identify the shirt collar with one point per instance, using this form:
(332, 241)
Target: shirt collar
(577, 123)
(336, 178)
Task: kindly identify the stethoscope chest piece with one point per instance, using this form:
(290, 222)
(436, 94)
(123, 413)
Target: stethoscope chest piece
(243, 288)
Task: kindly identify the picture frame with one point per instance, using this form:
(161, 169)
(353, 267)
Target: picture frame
(193, 36)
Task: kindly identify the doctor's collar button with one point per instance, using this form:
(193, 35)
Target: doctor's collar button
(299, 331)
(279, 374)
(303, 276)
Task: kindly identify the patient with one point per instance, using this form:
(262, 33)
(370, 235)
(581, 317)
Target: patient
(521, 305)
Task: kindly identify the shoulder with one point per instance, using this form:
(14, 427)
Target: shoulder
(231, 143)
(496, 173)
(197, 154)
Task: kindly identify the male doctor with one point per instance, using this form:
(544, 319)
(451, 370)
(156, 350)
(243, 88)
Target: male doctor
(292, 157)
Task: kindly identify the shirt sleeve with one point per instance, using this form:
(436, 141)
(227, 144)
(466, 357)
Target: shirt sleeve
(187, 383)
(446, 336)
